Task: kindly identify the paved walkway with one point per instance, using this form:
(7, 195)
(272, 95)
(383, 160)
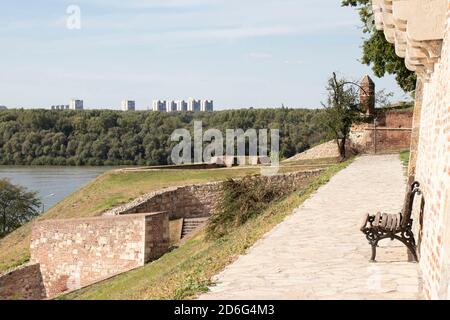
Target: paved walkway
(319, 252)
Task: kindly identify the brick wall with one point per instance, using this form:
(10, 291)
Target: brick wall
(433, 171)
(415, 133)
(77, 252)
(393, 132)
(197, 201)
(396, 118)
(24, 283)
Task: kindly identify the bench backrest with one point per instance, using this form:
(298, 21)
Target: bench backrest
(413, 189)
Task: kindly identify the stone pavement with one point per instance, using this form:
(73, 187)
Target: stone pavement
(319, 253)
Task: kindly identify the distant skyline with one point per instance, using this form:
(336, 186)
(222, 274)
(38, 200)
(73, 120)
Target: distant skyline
(252, 53)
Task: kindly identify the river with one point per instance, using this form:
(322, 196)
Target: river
(52, 184)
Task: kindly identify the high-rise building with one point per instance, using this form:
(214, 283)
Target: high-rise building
(128, 105)
(182, 105)
(60, 107)
(159, 105)
(194, 105)
(76, 104)
(206, 105)
(171, 106)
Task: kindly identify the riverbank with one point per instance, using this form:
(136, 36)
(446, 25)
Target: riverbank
(52, 184)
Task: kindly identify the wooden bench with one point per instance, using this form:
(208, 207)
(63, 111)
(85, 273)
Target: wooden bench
(393, 226)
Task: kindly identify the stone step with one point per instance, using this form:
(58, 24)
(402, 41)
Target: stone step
(192, 224)
(195, 219)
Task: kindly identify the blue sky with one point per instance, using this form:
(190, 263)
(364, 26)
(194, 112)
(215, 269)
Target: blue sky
(241, 53)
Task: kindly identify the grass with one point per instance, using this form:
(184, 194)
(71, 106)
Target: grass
(187, 271)
(404, 157)
(109, 190)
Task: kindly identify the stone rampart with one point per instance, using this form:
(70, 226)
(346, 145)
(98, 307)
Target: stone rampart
(198, 201)
(74, 253)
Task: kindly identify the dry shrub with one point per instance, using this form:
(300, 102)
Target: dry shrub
(241, 200)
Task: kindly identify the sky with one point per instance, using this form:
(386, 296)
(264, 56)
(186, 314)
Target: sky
(240, 53)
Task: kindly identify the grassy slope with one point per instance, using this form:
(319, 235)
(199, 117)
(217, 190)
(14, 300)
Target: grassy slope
(187, 271)
(109, 190)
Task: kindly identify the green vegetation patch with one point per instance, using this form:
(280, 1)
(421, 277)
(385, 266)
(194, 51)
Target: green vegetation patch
(404, 157)
(106, 137)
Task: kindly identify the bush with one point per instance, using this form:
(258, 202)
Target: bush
(17, 206)
(241, 200)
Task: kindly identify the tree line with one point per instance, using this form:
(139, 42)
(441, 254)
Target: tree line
(105, 137)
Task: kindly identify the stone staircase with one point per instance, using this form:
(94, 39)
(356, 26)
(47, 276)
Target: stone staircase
(192, 224)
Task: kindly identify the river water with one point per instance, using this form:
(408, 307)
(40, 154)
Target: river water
(51, 183)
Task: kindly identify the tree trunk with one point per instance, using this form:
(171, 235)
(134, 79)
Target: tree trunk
(342, 153)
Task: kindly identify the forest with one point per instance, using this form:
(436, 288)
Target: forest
(105, 137)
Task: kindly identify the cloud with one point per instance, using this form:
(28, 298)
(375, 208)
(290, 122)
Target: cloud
(259, 55)
(148, 4)
(297, 62)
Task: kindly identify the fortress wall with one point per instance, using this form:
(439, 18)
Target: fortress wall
(433, 172)
(24, 283)
(193, 201)
(74, 253)
(397, 118)
(198, 201)
(393, 132)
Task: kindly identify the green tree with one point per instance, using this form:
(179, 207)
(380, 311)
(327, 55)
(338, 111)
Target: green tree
(103, 137)
(379, 53)
(342, 110)
(17, 206)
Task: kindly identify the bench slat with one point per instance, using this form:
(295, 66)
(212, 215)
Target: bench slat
(384, 220)
(377, 221)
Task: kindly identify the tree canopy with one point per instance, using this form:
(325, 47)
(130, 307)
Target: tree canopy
(104, 137)
(17, 206)
(342, 110)
(378, 52)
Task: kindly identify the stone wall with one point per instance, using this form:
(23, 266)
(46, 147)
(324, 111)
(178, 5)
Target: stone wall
(415, 128)
(194, 201)
(393, 132)
(198, 201)
(420, 31)
(433, 172)
(24, 283)
(77, 252)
